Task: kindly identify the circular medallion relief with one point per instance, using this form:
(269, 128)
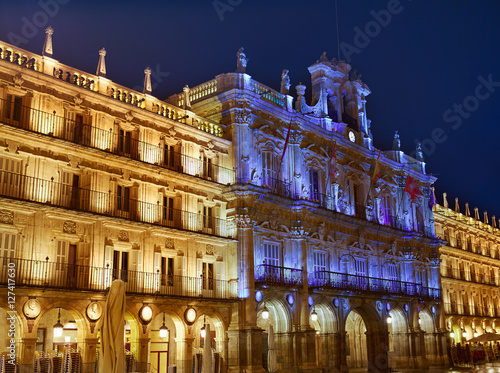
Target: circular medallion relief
(32, 308)
(94, 311)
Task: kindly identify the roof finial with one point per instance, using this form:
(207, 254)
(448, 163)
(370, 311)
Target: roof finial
(486, 217)
(419, 154)
(241, 62)
(476, 213)
(457, 206)
(101, 66)
(47, 46)
(396, 143)
(147, 81)
(493, 222)
(467, 211)
(445, 201)
(187, 100)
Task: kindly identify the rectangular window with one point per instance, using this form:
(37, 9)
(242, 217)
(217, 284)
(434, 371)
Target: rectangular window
(13, 108)
(319, 261)
(271, 254)
(360, 267)
(269, 169)
(314, 184)
(124, 141)
(168, 209)
(120, 265)
(10, 170)
(392, 271)
(207, 167)
(61, 254)
(208, 276)
(123, 198)
(167, 271)
(7, 245)
(169, 156)
(207, 217)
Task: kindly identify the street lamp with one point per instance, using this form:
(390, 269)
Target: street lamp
(389, 319)
(163, 328)
(58, 328)
(452, 335)
(265, 313)
(314, 315)
(203, 332)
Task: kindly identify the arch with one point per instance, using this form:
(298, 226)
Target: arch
(279, 314)
(399, 347)
(356, 344)
(327, 318)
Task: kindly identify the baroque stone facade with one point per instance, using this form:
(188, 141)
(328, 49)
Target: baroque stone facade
(229, 199)
(470, 263)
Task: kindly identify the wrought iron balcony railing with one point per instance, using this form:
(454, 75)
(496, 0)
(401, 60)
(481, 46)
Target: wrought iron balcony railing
(278, 276)
(119, 142)
(110, 204)
(64, 276)
(276, 186)
(344, 281)
(454, 273)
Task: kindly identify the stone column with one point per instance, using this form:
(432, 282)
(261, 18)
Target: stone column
(242, 140)
(295, 165)
(338, 352)
(245, 350)
(143, 355)
(377, 346)
(247, 267)
(88, 347)
(184, 354)
(26, 355)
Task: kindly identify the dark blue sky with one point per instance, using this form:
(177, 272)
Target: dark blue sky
(420, 64)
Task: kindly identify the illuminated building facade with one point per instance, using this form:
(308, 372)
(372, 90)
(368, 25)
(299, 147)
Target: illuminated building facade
(100, 182)
(213, 207)
(346, 270)
(469, 271)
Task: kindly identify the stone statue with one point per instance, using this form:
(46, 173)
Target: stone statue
(396, 143)
(241, 61)
(419, 154)
(323, 58)
(285, 82)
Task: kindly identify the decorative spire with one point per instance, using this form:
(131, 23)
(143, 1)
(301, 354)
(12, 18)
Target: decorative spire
(476, 213)
(285, 82)
(467, 211)
(396, 143)
(493, 222)
(419, 154)
(101, 66)
(241, 61)
(187, 101)
(47, 46)
(445, 201)
(457, 206)
(147, 81)
(486, 217)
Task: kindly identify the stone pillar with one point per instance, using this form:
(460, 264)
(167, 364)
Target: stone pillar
(377, 346)
(295, 165)
(143, 355)
(245, 350)
(243, 145)
(338, 353)
(27, 355)
(247, 267)
(184, 355)
(221, 346)
(89, 354)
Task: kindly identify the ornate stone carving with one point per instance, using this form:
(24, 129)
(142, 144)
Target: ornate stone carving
(244, 117)
(244, 221)
(69, 227)
(123, 236)
(210, 145)
(78, 100)
(169, 243)
(199, 255)
(241, 61)
(210, 249)
(18, 80)
(6, 217)
(129, 116)
(296, 137)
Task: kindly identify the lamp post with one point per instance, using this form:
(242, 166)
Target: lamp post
(265, 312)
(58, 327)
(314, 315)
(163, 328)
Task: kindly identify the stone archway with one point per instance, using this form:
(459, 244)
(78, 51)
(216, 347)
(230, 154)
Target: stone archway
(281, 320)
(369, 330)
(327, 335)
(399, 348)
(428, 327)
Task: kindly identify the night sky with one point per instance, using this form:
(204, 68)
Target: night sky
(422, 59)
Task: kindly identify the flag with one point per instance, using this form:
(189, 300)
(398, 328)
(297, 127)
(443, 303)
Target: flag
(376, 170)
(333, 163)
(432, 199)
(286, 142)
(412, 188)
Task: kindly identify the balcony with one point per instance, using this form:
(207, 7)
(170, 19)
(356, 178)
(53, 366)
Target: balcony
(48, 192)
(63, 276)
(278, 187)
(123, 143)
(364, 284)
(269, 275)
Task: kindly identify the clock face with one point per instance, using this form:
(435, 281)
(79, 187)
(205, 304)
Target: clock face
(352, 136)
(94, 311)
(146, 313)
(190, 315)
(32, 308)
